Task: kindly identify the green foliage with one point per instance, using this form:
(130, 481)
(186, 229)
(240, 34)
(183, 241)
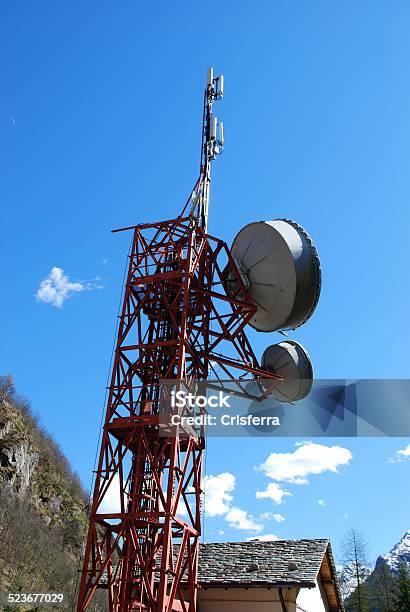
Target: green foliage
(17, 410)
(402, 589)
(384, 591)
(359, 600)
(381, 586)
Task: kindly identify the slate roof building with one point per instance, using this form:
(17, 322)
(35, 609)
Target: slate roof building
(277, 576)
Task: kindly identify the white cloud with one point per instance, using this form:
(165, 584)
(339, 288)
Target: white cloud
(219, 502)
(321, 502)
(56, 288)
(405, 452)
(182, 512)
(346, 516)
(240, 519)
(218, 491)
(401, 455)
(111, 502)
(274, 492)
(267, 537)
(308, 458)
(271, 516)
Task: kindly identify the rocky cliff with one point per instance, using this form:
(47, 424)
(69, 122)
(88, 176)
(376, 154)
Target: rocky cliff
(378, 582)
(399, 553)
(43, 516)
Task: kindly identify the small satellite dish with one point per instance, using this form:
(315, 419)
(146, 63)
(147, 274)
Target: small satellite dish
(290, 360)
(280, 267)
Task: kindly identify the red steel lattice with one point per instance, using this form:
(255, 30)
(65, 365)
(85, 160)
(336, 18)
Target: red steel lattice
(176, 323)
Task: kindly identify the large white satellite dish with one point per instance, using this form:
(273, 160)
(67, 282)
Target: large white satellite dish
(280, 266)
(289, 360)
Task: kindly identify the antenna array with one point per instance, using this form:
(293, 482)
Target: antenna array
(212, 146)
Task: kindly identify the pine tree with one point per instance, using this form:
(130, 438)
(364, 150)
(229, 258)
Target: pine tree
(402, 595)
(382, 585)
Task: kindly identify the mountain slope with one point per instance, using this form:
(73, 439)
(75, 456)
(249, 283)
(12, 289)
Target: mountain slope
(386, 567)
(347, 577)
(399, 553)
(43, 516)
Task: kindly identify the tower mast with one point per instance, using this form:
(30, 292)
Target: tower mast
(142, 551)
(212, 143)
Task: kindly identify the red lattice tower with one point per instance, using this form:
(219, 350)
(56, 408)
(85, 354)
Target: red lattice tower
(177, 323)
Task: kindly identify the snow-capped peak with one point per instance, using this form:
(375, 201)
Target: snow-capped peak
(348, 577)
(399, 553)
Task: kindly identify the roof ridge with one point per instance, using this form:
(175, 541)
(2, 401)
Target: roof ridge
(269, 542)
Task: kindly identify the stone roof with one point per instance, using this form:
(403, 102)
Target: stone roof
(277, 563)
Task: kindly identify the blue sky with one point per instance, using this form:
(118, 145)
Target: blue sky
(100, 128)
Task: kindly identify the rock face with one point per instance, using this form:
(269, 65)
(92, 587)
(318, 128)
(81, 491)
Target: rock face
(43, 517)
(399, 553)
(18, 460)
(32, 467)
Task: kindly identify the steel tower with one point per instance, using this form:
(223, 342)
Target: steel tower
(177, 322)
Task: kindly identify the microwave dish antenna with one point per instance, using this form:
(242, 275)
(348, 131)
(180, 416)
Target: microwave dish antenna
(291, 361)
(280, 268)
